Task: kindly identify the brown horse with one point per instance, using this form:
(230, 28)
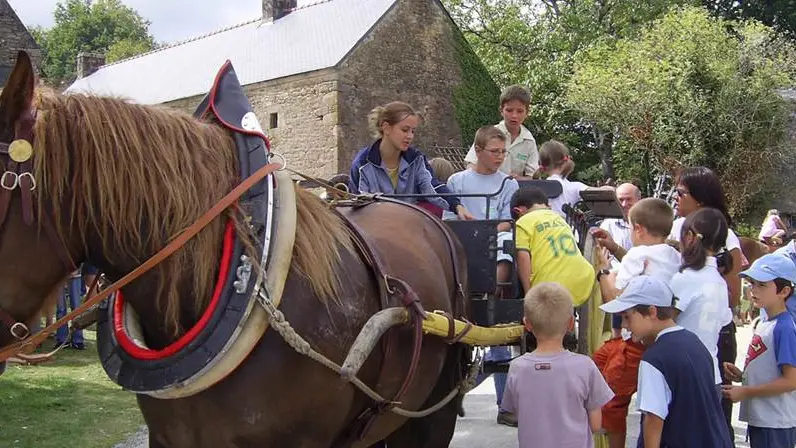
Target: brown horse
(120, 180)
(753, 249)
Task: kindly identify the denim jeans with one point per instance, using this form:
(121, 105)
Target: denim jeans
(496, 353)
(74, 287)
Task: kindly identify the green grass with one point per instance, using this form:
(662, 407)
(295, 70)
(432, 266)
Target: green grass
(66, 402)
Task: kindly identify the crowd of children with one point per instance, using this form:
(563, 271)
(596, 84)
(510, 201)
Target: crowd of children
(676, 348)
(674, 306)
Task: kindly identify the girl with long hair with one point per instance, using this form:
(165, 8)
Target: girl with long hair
(697, 188)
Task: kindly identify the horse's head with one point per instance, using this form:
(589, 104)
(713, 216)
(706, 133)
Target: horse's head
(30, 267)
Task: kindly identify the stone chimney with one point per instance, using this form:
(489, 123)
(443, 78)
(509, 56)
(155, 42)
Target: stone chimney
(88, 63)
(274, 10)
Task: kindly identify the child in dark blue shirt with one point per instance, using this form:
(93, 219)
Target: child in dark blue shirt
(677, 392)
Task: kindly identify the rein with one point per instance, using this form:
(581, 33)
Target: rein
(153, 261)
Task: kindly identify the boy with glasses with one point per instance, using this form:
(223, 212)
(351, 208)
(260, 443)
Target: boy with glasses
(485, 178)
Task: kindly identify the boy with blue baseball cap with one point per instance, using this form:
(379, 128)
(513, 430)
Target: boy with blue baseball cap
(788, 250)
(677, 394)
(768, 390)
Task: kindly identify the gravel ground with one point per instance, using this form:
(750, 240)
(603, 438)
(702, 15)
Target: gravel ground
(478, 427)
(137, 440)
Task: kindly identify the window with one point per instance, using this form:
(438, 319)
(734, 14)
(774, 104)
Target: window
(273, 121)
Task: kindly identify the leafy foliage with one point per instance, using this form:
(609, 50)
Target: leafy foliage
(689, 91)
(534, 43)
(127, 48)
(634, 92)
(475, 100)
(778, 14)
(101, 26)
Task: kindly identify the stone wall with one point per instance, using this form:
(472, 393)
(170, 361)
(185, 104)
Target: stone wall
(14, 37)
(306, 114)
(409, 56)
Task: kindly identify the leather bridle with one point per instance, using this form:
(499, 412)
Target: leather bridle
(17, 159)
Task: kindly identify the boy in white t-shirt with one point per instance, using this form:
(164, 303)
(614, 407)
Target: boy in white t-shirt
(522, 158)
(650, 221)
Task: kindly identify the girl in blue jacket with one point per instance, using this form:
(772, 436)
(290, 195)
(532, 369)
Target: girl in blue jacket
(391, 165)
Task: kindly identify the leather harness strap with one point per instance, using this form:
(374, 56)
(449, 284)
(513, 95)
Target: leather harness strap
(28, 206)
(386, 282)
(388, 287)
(17, 329)
(452, 337)
(18, 174)
(23, 130)
(448, 239)
(391, 286)
(153, 261)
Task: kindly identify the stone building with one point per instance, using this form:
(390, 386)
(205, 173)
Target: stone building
(14, 36)
(313, 73)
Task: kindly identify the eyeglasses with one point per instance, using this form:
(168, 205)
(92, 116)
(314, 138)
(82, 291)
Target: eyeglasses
(681, 193)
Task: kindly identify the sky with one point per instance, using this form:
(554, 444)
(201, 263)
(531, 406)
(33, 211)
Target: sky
(171, 20)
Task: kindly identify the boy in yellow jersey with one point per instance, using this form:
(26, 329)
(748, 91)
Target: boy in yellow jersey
(546, 247)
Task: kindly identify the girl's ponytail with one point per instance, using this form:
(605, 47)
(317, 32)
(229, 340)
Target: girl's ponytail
(692, 249)
(704, 230)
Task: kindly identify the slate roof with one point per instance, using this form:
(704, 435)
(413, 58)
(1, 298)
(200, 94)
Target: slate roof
(310, 38)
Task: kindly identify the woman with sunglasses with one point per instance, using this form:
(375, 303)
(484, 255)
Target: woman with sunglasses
(699, 187)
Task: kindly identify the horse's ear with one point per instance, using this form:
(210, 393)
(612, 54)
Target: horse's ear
(17, 96)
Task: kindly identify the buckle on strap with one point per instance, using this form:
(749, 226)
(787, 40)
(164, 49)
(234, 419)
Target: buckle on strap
(19, 327)
(14, 180)
(27, 175)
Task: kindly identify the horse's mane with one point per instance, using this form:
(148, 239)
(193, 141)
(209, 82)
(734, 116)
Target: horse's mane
(135, 176)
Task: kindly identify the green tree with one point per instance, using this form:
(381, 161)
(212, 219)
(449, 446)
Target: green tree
(127, 48)
(535, 42)
(690, 90)
(101, 26)
(778, 14)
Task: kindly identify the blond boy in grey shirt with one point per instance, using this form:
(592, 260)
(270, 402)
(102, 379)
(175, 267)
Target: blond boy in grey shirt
(556, 395)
